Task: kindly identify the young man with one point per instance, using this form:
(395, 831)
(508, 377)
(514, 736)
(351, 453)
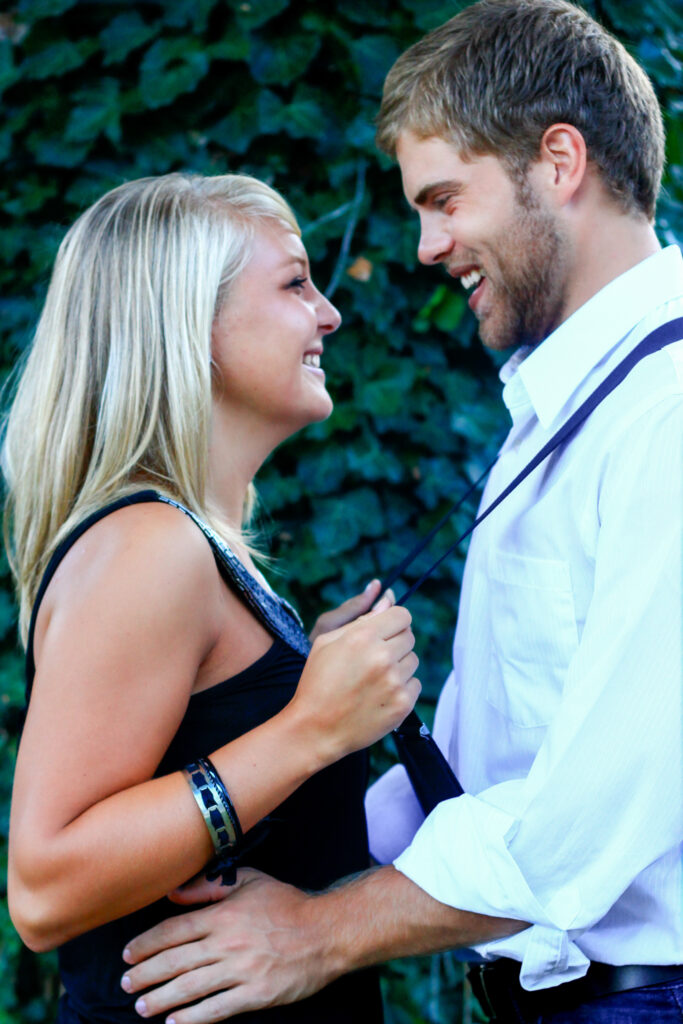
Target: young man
(530, 145)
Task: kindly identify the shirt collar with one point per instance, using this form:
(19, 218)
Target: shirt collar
(548, 375)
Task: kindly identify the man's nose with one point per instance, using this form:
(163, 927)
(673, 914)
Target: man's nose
(435, 244)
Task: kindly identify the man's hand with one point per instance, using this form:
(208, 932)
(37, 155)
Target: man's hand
(268, 943)
(358, 605)
(248, 951)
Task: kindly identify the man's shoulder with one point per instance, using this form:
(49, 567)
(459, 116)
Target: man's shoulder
(657, 377)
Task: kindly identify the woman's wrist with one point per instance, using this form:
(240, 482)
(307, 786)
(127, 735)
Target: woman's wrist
(315, 744)
(261, 768)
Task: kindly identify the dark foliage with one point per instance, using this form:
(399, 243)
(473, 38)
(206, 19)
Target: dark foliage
(95, 92)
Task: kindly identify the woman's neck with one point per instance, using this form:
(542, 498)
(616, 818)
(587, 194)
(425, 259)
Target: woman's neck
(237, 449)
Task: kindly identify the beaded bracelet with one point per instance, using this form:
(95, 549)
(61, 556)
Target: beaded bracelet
(216, 806)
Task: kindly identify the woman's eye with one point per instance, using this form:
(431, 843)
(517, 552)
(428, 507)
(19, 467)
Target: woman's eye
(297, 282)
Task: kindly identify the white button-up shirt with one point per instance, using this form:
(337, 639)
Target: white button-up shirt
(562, 715)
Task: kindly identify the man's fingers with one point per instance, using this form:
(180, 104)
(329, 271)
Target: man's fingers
(185, 928)
(170, 963)
(186, 988)
(174, 932)
(216, 1008)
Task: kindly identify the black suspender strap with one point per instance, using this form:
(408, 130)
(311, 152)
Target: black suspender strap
(430, 774)
(426, 540)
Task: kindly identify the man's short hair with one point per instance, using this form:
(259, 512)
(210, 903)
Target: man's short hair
(494, 77)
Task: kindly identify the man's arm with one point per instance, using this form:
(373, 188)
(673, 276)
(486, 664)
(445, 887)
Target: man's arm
(268, 943)
(602, 800)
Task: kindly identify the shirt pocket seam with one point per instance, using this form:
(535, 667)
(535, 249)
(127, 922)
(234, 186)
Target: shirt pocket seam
(527, 664)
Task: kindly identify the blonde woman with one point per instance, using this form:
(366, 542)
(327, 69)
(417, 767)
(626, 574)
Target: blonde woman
(176, 717)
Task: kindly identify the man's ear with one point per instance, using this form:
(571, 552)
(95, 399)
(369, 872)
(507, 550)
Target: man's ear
(563, 161)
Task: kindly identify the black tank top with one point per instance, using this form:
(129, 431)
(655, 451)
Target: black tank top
(315, 837)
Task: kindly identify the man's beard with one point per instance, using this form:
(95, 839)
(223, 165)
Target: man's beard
(529, 280)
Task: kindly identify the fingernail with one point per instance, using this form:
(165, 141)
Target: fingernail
(141, 1007)
(126, 956)
(368, 586)
(170, 1020)
(125, 983)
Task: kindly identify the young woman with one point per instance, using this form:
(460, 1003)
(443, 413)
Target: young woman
(180, 343)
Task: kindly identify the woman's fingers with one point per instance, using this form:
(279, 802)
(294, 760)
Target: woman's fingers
(357, 605)
(371, 600)
(386, 600)
(391, 621)
(199, 890)
(400, 642)
(359, 673)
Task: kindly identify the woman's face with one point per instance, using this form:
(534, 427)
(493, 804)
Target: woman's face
(267, 340)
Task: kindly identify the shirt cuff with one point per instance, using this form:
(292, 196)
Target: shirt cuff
(460, 856)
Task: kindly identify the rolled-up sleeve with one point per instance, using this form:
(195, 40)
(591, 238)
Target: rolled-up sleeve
(602, 801)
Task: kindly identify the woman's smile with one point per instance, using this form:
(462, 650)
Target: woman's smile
(270, 328)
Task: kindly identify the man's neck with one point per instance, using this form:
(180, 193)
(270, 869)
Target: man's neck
(607, 246)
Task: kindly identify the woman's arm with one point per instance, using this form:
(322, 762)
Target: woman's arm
(130, 621)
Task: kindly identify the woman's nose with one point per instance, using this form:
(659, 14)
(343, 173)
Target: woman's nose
(329, 316)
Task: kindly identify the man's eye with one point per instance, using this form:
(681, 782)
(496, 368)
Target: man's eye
(297, 282)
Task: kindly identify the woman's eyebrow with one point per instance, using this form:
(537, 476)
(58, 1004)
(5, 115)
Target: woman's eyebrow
(288, 260)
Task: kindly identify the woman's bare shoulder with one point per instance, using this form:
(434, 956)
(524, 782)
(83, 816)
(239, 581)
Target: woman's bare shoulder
(149, 560)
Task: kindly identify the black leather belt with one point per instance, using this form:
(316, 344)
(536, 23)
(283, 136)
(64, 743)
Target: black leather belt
(496, 986)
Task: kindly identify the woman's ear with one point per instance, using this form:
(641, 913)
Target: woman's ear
(563, 161)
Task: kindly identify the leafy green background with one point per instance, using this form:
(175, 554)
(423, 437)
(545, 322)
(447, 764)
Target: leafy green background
(98, 92)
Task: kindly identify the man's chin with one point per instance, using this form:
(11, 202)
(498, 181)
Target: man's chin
(497, 339)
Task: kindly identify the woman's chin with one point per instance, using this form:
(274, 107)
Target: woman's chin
(314, 414)
(320, 405)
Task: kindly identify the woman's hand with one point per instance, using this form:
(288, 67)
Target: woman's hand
(351, 609)
(358, 682)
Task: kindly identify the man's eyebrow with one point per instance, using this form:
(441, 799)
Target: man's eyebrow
(425, 194)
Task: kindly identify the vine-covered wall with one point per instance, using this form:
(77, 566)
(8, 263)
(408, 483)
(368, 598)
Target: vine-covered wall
(96, 92)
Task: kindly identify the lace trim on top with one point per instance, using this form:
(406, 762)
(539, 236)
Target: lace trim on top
(273, 611)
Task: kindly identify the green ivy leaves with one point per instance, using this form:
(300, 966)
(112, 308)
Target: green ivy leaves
(96, 93)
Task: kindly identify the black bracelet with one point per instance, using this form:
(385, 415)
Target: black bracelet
(216, 806)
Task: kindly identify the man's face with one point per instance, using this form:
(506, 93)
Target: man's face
(493, 233)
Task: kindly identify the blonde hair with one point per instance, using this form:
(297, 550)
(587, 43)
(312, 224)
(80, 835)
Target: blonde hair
(494, 77)
(116, 391)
